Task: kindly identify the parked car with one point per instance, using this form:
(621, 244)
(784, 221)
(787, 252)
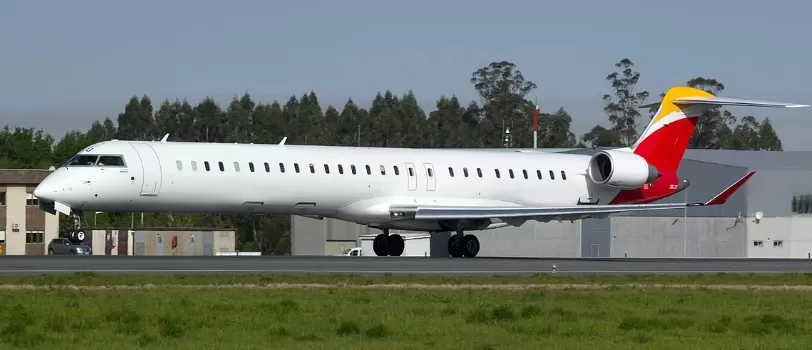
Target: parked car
(351, 252)
(63, 246)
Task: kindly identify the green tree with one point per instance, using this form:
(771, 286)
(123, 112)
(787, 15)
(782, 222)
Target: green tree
(622, 108)
(503, 89)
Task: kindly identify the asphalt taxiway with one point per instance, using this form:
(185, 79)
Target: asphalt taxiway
(10, 265)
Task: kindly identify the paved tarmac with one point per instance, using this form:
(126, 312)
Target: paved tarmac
(375, 265)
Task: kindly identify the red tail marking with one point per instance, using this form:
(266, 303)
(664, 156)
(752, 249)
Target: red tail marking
(665, 147)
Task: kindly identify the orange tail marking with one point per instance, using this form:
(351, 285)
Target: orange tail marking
(666, 138)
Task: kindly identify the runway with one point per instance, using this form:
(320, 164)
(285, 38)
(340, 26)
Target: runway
(16, 265)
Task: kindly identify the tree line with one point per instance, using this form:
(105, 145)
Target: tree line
(391, 121)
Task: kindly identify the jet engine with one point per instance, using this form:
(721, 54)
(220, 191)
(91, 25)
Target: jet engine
(619, 169)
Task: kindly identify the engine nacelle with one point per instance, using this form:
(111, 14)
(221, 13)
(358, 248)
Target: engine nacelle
(619, 169)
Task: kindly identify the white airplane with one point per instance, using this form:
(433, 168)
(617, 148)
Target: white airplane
(389, 188)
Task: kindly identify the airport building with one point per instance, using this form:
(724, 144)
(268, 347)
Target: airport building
(24, 228)
(769, 217)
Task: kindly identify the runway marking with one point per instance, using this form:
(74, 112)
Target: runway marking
(512, 287)
(439, 272)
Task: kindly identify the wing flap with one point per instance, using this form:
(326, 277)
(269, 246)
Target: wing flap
(565, 213)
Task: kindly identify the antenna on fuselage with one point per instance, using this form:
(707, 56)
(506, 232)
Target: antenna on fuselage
(163, 140)
(283, 141)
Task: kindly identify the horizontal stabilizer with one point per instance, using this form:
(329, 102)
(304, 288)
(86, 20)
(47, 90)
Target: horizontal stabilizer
(723, 101)
(546, 213)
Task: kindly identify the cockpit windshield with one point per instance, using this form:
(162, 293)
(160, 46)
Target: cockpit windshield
(110, 161)
(82, 160)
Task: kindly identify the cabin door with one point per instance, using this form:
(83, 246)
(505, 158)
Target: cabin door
(150, 167)
(411, 174)
(430, 177)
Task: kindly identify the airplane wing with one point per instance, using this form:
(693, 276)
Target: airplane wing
(521, 213)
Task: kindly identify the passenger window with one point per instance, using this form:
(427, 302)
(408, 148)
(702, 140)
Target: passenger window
(352, 167)
(206, 164)
(497, 173)
(83, 160)
(194, 165)
(312, 168)
(383, 170)
(524, 172)
(222, 168)
(296, 167)
(268, 167)
(538, 173)
(110, 161)
(281, 167)
(465, 172)
(340, 169)
(251, 166)
(180, 166)
(397, 172)
(411, 172)
(451, 171)
(326, 169)
(510, 171)
(563, 175)
(479, 172)
(430, 172)
(237, 167)
(552, 175)
(369, 171)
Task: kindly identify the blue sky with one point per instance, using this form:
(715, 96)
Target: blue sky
(64, 64)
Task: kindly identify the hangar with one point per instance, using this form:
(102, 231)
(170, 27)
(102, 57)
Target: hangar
(769, 217)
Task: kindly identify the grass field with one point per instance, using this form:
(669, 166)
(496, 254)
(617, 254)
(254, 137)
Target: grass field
(405, 312)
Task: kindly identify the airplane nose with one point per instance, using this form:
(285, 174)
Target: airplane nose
(45, 191)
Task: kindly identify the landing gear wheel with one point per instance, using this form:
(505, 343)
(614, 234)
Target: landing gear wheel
(379, 245)
(395, 245)
(77, 235)
(455, 246)
(470, 246)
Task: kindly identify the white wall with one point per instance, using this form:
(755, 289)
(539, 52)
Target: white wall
(672, 237)
(781, 237)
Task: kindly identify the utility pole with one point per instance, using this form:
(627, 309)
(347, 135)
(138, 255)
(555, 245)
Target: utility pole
(358, 135)
(536, 124)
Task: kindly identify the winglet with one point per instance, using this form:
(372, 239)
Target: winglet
(163, 140)
(281, 143)
(722, 197)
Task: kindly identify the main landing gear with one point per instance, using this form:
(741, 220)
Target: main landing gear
(460, 245)
(386, 244)
(77, 235)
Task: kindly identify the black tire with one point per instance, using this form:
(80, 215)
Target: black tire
(455, 246)
(470, 246)
(379, 245)
(395, 245)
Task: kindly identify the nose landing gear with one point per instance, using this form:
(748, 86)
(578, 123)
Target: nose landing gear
(77, 235)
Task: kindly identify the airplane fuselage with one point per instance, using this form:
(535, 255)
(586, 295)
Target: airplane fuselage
(347, 183)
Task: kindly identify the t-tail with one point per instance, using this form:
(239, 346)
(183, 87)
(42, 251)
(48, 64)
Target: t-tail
(664, 141)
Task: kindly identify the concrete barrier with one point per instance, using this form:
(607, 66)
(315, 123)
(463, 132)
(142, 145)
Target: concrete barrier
(238, 254)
